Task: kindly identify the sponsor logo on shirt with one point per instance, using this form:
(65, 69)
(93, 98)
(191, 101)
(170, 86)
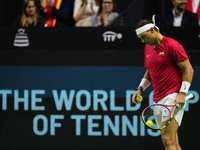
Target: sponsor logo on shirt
(161, 53)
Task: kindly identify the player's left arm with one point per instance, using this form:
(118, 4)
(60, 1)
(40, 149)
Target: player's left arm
(188, 75)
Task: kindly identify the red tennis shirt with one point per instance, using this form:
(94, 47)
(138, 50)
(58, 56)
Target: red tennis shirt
(161, 62)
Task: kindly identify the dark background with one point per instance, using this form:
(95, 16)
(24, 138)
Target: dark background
(9, 9)
(117, 65)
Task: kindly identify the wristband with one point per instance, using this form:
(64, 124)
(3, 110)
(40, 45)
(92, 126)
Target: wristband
(139, 88)
(144, 83)
(185, 87)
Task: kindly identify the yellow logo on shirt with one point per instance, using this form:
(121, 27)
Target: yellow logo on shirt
(161, 53)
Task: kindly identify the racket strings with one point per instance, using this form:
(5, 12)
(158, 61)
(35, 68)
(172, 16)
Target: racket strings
(156, 116)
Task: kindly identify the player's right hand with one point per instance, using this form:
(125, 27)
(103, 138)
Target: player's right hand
(137, 94)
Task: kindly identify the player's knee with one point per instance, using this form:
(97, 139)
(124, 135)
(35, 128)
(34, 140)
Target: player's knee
(167, 140)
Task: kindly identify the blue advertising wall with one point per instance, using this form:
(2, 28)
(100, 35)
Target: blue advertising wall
(81, 100)
(71, 89)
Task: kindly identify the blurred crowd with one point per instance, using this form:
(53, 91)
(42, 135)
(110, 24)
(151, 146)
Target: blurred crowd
(80, 13)
(96, 13)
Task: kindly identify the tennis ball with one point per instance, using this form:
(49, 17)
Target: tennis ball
(149, 123)
(140, 99)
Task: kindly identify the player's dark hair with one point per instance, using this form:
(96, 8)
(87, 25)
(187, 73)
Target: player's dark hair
(141, 23)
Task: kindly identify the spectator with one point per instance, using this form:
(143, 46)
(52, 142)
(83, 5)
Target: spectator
(106, 14)
(179, 16)
(56, 12)
(83, 10)
(194, 6)
(29, 16)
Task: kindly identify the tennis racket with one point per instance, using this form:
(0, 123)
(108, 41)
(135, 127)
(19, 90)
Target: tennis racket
(152, 118)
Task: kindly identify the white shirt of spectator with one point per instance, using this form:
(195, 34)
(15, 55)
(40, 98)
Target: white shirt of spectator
(195, 5)
(177, 18)
(88, 10)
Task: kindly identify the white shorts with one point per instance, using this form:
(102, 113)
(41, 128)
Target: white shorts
(160, 115)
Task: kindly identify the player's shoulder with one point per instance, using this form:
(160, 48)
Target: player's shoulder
(170, 41)
(172, 44)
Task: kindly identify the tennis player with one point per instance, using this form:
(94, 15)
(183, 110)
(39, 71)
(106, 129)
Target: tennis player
(170, 72)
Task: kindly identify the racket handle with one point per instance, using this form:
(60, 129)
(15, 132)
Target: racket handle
(186, 98)
(189, 96)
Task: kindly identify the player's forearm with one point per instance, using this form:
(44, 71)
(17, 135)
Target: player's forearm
(145, 82)
(187, 79)
(147, 75)
(188, 70)
(188, 74)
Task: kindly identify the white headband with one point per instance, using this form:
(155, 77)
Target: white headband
(144, 28)
(147, 26)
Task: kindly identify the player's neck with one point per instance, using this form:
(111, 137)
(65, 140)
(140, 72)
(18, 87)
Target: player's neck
(158, 39)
